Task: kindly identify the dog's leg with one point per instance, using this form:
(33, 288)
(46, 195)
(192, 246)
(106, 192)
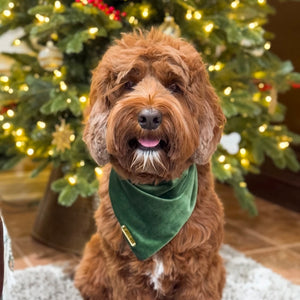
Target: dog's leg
(210, 287)
(91, 277)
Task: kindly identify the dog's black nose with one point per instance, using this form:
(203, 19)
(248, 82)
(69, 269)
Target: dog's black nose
(149, 118)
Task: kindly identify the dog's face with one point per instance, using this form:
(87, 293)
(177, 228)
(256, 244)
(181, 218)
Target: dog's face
(152, 109)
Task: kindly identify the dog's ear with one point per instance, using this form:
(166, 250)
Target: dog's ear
(211, 118)
(96, 115)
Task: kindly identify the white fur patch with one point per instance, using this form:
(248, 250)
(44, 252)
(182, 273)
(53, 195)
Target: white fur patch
(157, 273)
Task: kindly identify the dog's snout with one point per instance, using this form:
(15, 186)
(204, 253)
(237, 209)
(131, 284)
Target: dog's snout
(149, 118)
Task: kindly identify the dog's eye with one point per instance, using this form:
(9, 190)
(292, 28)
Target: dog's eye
(129, 85)
(174, 88)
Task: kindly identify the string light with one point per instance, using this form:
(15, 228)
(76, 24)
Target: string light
(6, 13)
(4, 78)
(57, 4)
(63, 86)
(72, 137)
(209, 27)
(218, 66)
(145, 13)
(235, 4)
(41, 124)
(19, 144)
(6, 88)
(98, 171)
(227, 167)
(197, 15)
(267, 46)
(17, 42)
(268, 99)
(81, 163)
(72, 180)
(24, 87)
(228, 91)
(40, 18)
(221, 158)
(261, 2)
(69, 100)
(1, 118)
(50, 152)
(243, 184)
(245, 162)
(211, 68)
(10, 113)
(262, 128)
(93, 30)
(10, 91)
(189, 15)
(283, 145)
(57, 73)
(82, 99)
(253, 25)
(243, 152)
(30, 151)
(6, 126)
(19, 132)
(11, 5)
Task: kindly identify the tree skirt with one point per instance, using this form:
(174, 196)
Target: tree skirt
(246, 280)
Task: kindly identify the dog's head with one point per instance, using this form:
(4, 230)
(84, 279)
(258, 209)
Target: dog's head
(152, 109)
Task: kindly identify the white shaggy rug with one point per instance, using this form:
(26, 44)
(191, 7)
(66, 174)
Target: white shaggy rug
(246, 280)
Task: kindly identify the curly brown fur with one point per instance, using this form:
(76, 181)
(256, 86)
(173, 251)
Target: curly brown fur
(168, 75)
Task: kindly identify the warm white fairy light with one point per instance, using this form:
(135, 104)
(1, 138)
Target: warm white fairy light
(81, 163)
(267, 46)
(47, 20)
(245, 162)
(211, 68)
(209, 27)
(63, 86)
(1, 118)
(262, 128)
(10, 91)
(93, 30)
(19, 131)
(243, 152)
(235, 4)
(228, 91)
(253, 25)
(98, 171)
(69, 100)
(24, 87)
(40, 18)
(83, 99)
(197, 15)
(72, 137)
(57, 4)
(6, 126)
(50, 152)
(261, 2)
(268, 99)
(227, 167)
(6, 13)
(4, 78)
(17, 42)
(145, 12)
(57, 73)
(19, 144)
(283, 145)
(10, 113)
(131, 20)
(221, 158)
(41, 124)
(72, 180)
(11, 5)
(30, 151)
(189, 15)
(218, 66)
(243, 184)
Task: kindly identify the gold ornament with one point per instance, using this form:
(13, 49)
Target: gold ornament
(169, 27)
(63, 136)
(50, 57)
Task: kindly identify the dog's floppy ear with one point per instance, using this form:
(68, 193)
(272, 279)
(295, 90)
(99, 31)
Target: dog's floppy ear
(211, 117)
(96, 115)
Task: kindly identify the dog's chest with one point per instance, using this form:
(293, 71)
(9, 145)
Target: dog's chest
(156, 275)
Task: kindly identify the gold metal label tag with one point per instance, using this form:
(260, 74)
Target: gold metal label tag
(128, 236)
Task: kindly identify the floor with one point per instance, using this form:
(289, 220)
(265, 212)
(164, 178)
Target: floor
(272, 238)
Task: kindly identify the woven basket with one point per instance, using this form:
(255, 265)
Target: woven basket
(64, 228)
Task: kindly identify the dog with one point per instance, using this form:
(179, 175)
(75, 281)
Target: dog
(154, 120)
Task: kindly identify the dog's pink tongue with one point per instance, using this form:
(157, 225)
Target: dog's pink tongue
(149, 143)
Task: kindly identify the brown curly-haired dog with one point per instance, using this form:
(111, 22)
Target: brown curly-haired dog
(152, 115)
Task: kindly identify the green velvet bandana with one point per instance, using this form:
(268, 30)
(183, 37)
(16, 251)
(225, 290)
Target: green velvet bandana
(151, 215)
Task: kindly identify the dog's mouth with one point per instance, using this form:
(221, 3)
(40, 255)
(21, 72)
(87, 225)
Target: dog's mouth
(147, 144)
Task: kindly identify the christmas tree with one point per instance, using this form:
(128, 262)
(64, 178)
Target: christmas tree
(44, 95)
